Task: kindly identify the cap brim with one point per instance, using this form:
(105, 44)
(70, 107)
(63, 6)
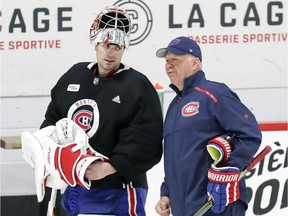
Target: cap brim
(161, 53)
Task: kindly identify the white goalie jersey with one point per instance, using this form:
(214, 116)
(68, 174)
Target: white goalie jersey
(59, 156)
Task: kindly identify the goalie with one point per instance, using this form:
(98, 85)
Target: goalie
(120, 112)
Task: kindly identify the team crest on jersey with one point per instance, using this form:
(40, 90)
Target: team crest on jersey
(83, 118)
(190, 109)
(85, 113)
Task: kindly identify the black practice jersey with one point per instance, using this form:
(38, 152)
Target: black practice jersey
(121, 114)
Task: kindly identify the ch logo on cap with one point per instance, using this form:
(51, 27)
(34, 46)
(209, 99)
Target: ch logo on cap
(174, 42)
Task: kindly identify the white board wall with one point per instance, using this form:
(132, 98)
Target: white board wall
(244, 43)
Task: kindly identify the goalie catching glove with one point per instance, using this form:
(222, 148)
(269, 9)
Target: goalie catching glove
(59, 155)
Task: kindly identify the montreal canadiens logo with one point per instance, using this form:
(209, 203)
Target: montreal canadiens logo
(85, 114)
(83, 118)
(190, 109)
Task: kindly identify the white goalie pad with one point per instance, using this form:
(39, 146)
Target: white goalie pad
(32, 152)
(59, 156)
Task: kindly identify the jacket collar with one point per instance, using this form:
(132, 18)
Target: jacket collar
(121, 68)
(189, 83)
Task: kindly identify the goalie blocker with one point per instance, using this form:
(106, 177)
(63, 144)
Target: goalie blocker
(59, 155)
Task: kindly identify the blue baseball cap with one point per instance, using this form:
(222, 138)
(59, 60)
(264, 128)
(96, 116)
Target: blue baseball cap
(181, 46)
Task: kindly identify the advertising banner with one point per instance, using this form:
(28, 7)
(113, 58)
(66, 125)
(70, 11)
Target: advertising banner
(268, 182)
(244, 43)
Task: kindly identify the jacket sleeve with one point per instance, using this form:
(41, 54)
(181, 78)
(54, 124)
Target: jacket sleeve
(235, 117)
(140, 143)
(164, 190)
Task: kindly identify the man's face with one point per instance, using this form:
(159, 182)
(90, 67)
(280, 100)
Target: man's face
(179, 67)
(108, 57)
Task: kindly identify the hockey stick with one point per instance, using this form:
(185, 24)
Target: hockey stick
(51, 204)
(253, 163)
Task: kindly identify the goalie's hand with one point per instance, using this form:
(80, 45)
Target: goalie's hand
(223, 186)
(99, 170)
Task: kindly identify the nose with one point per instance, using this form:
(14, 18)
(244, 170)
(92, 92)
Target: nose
(110, 51)
(169, 64)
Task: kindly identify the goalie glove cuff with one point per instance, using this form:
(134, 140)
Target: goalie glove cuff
(81, 168)
(83, 164)
(73, 164)
(65, 161)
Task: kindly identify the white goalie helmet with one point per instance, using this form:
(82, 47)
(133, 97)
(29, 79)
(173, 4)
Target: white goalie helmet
(112, 25)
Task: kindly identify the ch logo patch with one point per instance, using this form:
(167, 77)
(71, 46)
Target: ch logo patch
(190, 109)
(83, 118)
(85, 113)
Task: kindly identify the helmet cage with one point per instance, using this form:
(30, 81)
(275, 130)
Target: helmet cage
(112, 25)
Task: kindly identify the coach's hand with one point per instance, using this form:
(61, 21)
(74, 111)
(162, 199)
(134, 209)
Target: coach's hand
(163, 206)
(223, 186)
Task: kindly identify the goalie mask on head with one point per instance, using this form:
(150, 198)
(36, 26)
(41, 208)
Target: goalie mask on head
(113, 26)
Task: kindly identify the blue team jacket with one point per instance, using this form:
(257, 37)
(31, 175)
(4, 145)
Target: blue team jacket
(203, 110)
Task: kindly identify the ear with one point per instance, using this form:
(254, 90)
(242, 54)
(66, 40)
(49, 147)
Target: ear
(196, 64)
